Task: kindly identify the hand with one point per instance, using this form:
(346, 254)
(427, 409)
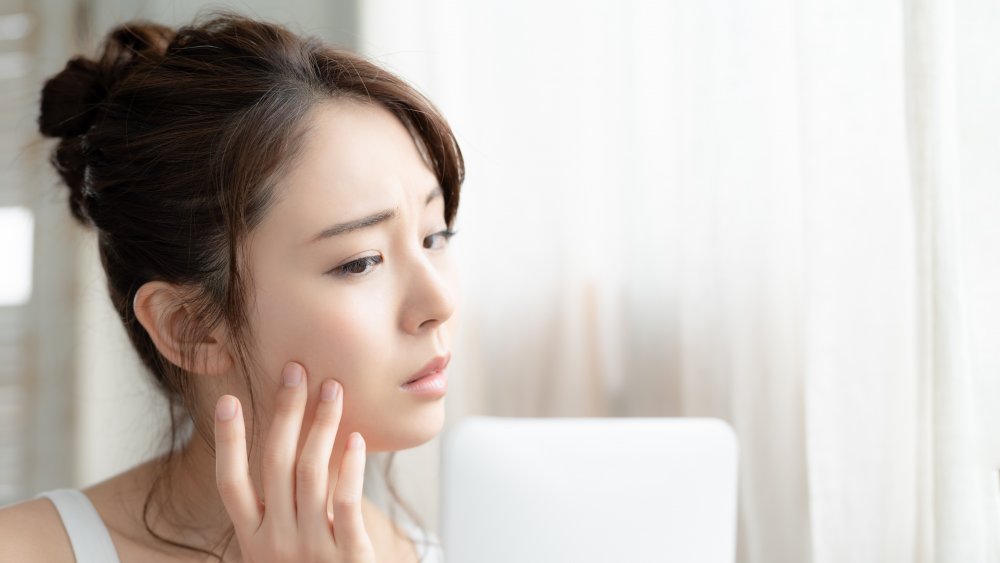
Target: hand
(292, 523)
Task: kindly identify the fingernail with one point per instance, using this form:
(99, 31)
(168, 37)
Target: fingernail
(356, 442)
(226, 409)
(292, 375)
(329, 390)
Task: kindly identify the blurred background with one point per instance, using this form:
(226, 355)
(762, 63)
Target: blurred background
(780, 213)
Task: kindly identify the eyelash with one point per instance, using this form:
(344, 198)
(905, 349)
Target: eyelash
(346, 270)
(365, 262)
(447, 234)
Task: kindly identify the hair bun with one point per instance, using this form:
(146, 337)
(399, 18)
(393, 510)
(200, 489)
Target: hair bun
(70, 98)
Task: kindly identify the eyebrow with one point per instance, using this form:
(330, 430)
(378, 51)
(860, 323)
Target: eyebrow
(370, 220)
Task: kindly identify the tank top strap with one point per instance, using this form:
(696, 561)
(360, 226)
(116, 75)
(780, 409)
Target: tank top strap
(88, 535)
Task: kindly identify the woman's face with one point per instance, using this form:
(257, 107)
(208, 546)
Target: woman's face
(370, 306)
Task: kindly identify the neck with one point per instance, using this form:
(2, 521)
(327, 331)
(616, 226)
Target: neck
(186, 506)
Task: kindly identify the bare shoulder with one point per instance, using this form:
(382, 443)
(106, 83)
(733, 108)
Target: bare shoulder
(32, 531)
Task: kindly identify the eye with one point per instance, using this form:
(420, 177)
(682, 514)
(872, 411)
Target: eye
(359, 267)
(440, 237)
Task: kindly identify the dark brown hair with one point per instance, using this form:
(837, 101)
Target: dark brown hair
(171, 142)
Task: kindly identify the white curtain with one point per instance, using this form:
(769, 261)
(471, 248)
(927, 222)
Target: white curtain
(781, 213)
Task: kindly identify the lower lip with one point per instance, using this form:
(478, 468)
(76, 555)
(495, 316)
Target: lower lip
(433, 385)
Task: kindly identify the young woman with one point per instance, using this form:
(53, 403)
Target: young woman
(273, 216)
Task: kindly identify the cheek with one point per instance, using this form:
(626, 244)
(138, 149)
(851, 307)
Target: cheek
(341, 343)
(333, 336)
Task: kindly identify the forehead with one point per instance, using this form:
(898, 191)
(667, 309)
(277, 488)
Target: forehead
(356, 158)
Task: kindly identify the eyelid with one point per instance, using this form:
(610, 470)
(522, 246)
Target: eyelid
(341, 271)
(446, 233)
(371, 260)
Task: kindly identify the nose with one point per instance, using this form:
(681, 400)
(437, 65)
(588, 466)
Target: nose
(430, 294)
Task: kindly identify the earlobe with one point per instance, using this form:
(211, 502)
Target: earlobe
(161, 308)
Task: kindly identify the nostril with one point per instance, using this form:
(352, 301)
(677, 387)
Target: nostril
(429, 322)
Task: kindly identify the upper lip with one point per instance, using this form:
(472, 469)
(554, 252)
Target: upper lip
(437, 363)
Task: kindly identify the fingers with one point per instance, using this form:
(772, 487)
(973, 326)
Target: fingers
(348, 526)
(313, 470)
(232, 475)
(278, 454)
(292, 523)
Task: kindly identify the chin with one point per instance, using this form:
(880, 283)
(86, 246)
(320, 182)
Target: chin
(402, 432)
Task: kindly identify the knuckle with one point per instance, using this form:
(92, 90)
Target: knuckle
(280, 548)
(273, 457)
(288, 402)
(327, 414)
(310, 553)
(282, 553)
(309, 472)
(345, 502)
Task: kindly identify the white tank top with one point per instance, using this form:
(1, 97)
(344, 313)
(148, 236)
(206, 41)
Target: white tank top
(92, 542)
(87, 532)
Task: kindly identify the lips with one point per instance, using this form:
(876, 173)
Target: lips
(436, 364)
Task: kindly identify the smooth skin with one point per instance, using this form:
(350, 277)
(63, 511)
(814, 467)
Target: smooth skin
(364, 309)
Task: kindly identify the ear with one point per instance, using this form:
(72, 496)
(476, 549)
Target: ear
(161, 308)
